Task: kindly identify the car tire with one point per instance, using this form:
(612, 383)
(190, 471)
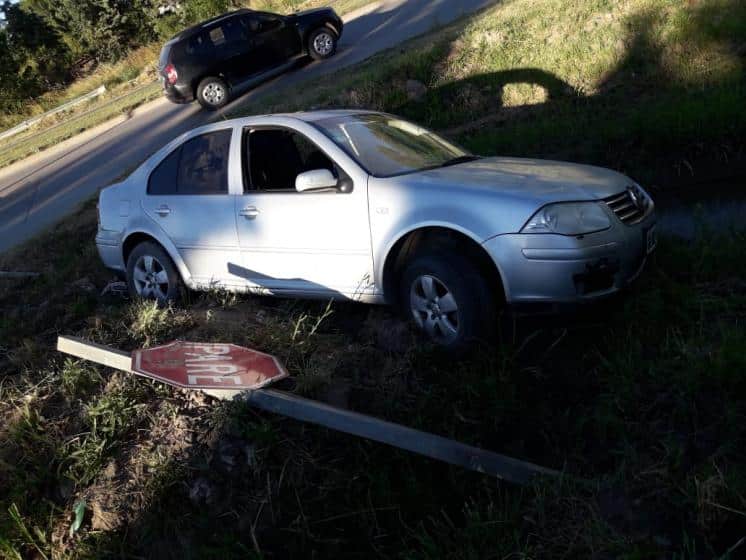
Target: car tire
(429, 282)
(151, 274)
(322, 43)
(213, 93)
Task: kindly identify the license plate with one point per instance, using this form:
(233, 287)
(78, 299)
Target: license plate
(651, 240)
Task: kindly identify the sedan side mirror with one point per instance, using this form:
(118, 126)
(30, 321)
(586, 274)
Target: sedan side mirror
(315, 180)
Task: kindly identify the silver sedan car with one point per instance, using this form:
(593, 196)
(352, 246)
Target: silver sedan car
(366, 206)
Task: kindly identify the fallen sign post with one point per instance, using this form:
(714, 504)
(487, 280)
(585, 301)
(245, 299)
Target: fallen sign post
(227, 371)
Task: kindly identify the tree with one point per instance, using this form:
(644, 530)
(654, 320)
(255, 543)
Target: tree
(39, 53)
(105, 29)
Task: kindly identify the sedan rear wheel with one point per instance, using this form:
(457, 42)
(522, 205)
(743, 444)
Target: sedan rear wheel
(448, 299)
(151, 274)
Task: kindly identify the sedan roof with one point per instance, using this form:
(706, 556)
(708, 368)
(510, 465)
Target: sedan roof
(311, 116)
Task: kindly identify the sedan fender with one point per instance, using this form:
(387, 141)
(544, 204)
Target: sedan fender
(142, 229)
(396, 213)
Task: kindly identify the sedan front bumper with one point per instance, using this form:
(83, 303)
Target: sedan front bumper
(549, 268)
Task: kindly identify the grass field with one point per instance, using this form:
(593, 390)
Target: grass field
(650, 87)
(643, 397)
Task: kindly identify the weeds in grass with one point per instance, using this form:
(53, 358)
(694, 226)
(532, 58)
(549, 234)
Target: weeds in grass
(107, 419)
(37, 540)
(151, 322)
(640, 419)
(78, 378)
(305, 326)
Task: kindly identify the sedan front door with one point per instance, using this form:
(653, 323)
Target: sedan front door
(311, 243)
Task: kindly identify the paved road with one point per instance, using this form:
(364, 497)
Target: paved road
(36, 193)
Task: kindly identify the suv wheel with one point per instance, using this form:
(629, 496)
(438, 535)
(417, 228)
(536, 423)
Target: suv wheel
(212, 93)
(322, 43)
(151, 274)
(448, 299)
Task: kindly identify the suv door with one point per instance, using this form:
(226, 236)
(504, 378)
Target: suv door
(187, 196)
(314, 243)
(232, 48)
(274, 39)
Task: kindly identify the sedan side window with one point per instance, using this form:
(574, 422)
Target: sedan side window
(163, 178)
(273, 158)
(199, 166)
(203, 168)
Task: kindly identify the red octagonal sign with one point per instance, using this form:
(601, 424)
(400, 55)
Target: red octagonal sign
(199, 365)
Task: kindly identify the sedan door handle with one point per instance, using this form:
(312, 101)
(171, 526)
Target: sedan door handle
(163, 210)
(250, 212)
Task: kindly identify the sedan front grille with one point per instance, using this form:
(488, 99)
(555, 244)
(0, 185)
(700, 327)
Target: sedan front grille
(629, 206)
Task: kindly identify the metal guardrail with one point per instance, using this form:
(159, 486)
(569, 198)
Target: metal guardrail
(11, 145)
(31, 122)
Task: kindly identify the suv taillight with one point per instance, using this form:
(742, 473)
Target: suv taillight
(171, 74)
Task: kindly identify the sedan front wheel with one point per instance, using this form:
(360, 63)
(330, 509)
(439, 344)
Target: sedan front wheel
(448, 299)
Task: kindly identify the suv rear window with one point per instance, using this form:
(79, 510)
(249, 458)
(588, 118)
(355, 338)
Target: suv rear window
(198, 166)
(198, 45)
(163, 59)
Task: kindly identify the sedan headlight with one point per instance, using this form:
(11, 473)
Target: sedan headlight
(568, 218)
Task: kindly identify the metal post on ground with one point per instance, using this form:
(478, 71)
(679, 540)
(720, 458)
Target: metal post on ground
(230, 372)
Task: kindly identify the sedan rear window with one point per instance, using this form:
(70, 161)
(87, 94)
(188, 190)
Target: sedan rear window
(199, 166)
(385, 145)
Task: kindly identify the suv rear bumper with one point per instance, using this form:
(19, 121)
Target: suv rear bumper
(178, 93)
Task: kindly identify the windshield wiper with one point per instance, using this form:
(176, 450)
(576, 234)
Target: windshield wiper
(459, 159)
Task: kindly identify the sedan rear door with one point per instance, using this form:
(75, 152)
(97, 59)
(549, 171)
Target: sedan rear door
(187, 197)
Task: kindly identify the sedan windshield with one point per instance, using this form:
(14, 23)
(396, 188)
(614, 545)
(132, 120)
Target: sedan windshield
(385, 145)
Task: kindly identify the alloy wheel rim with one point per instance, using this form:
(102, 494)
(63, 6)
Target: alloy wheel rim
(150, 278)
(213, 93)
(323, 43)
(434, 308)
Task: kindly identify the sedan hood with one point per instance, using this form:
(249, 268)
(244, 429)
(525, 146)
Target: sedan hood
(535, 180)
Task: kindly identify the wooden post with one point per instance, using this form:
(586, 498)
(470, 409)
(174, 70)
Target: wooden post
(321, 414)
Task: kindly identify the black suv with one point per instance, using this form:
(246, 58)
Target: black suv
(227, 54)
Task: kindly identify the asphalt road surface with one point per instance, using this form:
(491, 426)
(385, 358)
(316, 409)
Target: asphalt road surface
(43, 189)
